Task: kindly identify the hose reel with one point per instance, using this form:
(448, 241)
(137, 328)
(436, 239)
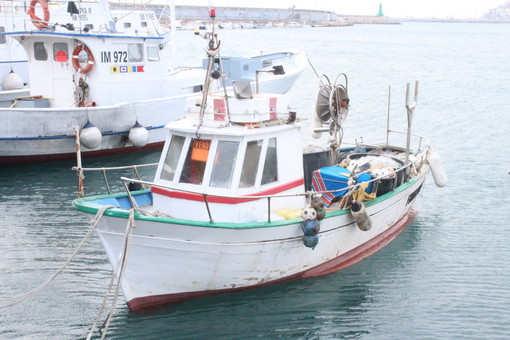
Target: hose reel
(332, 101)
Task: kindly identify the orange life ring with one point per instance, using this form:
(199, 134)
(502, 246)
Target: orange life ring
(38, 22)
(76, 62)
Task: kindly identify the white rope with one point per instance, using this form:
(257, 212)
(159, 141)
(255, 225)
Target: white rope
(155, 213)
(121, 262)
(93, 225)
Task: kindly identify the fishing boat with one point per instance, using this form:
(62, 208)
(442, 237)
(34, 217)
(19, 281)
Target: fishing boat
(236, 201)
(114, 83)
(13, 58)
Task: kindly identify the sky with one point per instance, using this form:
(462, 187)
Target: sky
(459, 9)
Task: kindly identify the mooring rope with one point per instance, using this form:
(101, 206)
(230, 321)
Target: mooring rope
(314, 70)
(121, 262)
(93, 226)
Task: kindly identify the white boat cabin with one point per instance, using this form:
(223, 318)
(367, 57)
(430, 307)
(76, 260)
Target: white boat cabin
(75, 70)
(226, 164)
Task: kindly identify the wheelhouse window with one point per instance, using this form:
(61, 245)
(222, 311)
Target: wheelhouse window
(172, 158)
(60, 52)
(40, 52)
(196, 160)
(135, 53)
(224, 162)
(152, 53)
(270, 173)
(250, 164)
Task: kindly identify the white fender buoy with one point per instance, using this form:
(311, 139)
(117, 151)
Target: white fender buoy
(12, 81)
(316, 123)
(436, 167)
(308, 213)
(90, 136)
(138, 135)
(360, 215)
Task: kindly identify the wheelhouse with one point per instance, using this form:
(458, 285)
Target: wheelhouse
(235, 167)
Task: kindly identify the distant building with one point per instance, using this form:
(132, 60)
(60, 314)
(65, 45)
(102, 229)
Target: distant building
(500, 13)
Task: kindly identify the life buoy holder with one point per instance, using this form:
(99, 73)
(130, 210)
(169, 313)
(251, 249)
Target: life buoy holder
(38, 22)
(76, 62)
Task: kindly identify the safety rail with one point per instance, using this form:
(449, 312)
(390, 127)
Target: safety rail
(80, 171)
(309, 194)
(422, 140)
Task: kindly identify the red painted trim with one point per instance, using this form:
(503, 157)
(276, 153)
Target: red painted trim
(226, 200)
(72, 156)
(151, 303)
(220, 107)
(272, 108)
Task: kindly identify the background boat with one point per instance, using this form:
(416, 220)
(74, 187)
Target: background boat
(109, 79)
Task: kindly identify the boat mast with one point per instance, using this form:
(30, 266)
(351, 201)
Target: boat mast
(106, 8)
(410, 112)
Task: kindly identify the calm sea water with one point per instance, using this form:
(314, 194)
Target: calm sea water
(446, 277)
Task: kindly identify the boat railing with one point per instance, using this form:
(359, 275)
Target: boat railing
(420, 140)
(80, 172)
(350, 189)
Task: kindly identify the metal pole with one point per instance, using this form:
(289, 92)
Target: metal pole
(78, 161)
(208, 210)
(134, 205)
(106, 181)
(388, 117)
(269, 209)
(410, 113)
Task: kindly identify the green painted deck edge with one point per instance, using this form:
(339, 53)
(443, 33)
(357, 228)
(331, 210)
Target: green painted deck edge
(81, 204)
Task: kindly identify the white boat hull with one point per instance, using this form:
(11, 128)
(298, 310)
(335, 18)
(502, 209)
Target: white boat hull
(187, 261)
(42, 134)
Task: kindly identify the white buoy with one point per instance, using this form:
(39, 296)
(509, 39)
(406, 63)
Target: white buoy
(360, 215)
(90, 136)
(316, 123)
(436, 167)
(138, 135)
(308, 213)
(12, 81)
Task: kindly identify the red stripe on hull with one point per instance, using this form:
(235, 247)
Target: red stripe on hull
(227, 200)
(70, 156)
(150, 304)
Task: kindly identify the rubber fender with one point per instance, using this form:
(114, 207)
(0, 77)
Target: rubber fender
(360, 215)
(311, 227)
(138, 135)
(317, 203)
(310, 241)
(90, 136)
(436, 167)
(308, 213)
(320, 214)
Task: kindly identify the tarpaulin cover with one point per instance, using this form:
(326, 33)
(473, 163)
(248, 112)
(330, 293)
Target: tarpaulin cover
(330, 178)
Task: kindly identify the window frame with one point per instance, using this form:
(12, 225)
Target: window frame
(40, 43)
(178, 163)
(216, 149)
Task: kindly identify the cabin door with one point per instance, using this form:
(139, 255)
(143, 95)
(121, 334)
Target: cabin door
(65, 79)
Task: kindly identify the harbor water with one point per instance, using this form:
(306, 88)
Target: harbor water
(447, 276)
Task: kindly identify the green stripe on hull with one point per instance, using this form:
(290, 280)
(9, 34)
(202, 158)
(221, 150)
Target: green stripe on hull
(87, 205)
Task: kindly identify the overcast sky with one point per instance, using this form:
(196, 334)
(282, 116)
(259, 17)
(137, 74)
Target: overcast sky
(391, 8)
